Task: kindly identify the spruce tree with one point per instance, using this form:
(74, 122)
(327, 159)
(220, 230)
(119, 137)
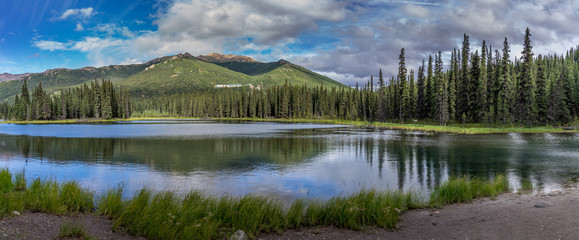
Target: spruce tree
(382, 109)
(431, 92)
(541, 92)
(442, 94)
(504, 88)
(452, 86)
(526, 85)
(481, 98)
(402, 89)
(411, 104)
(557, 110)
(421, 95)
(463, 85)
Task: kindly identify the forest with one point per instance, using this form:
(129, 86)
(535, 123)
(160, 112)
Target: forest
(99, 100)
(476, 86)
(483, 86)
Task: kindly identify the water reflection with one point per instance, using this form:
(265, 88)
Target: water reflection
(167, 155)
(294, 163)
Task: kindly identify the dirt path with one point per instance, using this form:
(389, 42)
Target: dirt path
(47, 226)
(511, 216)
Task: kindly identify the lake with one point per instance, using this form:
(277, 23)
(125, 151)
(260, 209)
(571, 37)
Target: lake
(282, 160)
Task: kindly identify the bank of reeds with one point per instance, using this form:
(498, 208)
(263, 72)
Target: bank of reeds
(42, 195)
(196, 216)
(464, 190)
(167, 215)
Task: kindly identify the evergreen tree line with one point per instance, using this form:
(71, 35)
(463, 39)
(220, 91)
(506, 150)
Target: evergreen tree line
(486, 87)
(99, 100)
(481, 86)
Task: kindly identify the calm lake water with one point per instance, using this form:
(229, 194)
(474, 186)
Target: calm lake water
(285, 161)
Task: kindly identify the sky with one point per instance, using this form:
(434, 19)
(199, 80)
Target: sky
(347, 40)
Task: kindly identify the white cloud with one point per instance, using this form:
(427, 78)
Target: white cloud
(212, 26)
(131, 61)
(79, 13)
(89, 44)
(347, 79)
(111, 29)
(49, 45)
(416, 11)
(79, 27)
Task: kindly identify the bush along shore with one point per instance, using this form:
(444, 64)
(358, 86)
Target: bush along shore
(168, 215)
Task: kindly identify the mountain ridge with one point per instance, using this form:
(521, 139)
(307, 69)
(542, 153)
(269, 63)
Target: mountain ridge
(220, 58)
(174, 74)
(8, 76)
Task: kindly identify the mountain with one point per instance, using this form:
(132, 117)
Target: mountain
(218, 58)
(8, 76)
(175, 74)
(273, 73)
(181, 73)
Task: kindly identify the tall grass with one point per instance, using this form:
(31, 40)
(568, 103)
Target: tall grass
(42, 195)
(167, 215)
(72, 230)
(526, 185)
(464, 190)
(111, 203)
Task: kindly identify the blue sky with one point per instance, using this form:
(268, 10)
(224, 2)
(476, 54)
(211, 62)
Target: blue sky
(348, 40)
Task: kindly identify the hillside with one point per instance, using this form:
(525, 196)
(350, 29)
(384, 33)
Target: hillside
(273, 73)
(181, 73)
(174, 74)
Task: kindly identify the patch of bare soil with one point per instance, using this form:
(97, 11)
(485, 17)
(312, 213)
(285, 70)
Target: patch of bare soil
(47, 226)
(511, 216)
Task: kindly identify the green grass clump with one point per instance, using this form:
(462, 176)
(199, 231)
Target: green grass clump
(111, 203)
(166, 216)
(526, 185)
(464, 190)
(19, 181)
(366, 208)
(5, 181)
(42, 195)
(75, 199)
(73, 230)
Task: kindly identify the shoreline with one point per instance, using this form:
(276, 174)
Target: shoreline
(422, 127)
(168, 215)
(510, 216)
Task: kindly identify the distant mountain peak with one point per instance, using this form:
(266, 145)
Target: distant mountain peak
(8, 76)
(220, 58)
(282, 62)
